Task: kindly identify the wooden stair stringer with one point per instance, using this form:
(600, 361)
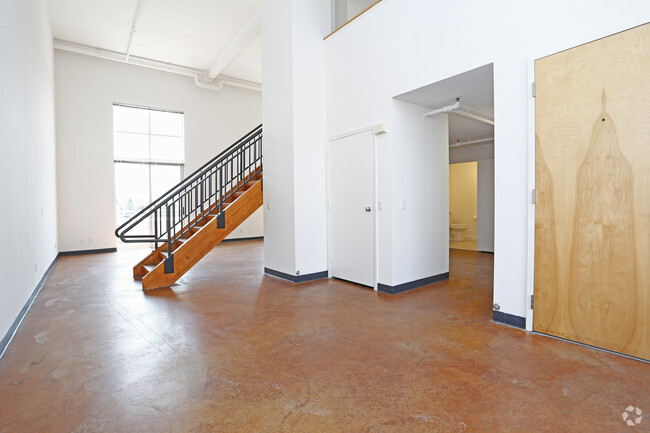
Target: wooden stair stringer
(153, 259)
(201, 243)
(158, 255)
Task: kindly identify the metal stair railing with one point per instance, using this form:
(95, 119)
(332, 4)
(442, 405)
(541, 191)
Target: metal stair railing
(188, 203)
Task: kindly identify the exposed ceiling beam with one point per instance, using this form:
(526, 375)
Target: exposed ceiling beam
(154, 64)
(251, 29)
(135, 20)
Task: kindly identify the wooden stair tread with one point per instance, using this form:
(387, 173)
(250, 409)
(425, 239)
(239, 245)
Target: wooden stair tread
(203, 236)
(200, 243)
(189, 234)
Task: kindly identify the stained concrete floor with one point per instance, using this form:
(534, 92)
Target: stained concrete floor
(232, 350)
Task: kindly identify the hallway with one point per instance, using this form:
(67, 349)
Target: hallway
(229, 349)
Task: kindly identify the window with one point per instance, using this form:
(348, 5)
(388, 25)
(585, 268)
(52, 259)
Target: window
(148, 157)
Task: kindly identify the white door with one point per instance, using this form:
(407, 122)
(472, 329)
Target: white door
(351, 174)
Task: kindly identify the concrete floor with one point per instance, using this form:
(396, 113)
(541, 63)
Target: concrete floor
(232, 350)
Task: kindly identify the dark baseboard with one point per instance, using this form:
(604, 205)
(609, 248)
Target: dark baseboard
(393, 290)
(487, 252)
(4, 343)
(509, 319)
(254, 238)
(81, 252)
(296, 278)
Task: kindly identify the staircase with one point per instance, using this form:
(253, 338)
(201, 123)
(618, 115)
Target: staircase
(194, 216)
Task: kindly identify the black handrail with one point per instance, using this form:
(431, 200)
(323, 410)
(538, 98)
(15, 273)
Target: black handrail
(186, 204)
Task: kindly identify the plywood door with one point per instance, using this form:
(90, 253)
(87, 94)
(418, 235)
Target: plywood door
(592, 217)
(351, 175)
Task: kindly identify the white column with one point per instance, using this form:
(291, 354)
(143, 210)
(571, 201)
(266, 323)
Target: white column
(293, 109)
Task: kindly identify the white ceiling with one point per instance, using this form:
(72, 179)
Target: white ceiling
(475, 89)
(188, 33)
(196, 33)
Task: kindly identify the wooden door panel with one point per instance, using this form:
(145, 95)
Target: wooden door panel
(592, 216)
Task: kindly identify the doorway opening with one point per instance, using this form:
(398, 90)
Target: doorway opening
(463, 105)
(463, 205)
(467, 100)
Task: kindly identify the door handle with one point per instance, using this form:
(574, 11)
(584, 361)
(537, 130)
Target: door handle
(368, 209)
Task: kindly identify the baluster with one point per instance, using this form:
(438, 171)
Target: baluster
(169, 261)
(220, 188)
(241, 165)
(156, 216)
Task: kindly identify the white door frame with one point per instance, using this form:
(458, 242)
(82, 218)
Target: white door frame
(374, 199)
(530, 263)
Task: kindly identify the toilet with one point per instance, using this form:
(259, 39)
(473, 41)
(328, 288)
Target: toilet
(456, 232)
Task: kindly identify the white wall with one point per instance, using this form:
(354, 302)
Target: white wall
(277, 109)
(471, 153)
(311, 21)
(86, 88)
(27, 167)
(419, 163)
(294, 158)
(401, 45)
(485, 205)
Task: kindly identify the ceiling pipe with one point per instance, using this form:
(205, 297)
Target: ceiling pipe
(119, 57)
(205, 85)
(152, 64)
(461, 110)
(133, 30)
(471, 142)
(445, 109)
(474, 116)
(244, 84)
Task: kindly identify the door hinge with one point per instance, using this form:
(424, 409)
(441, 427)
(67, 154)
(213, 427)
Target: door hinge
(534, 196)
(534, 90)
(532, 301)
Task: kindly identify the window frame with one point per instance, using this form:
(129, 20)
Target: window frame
(148, 162)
